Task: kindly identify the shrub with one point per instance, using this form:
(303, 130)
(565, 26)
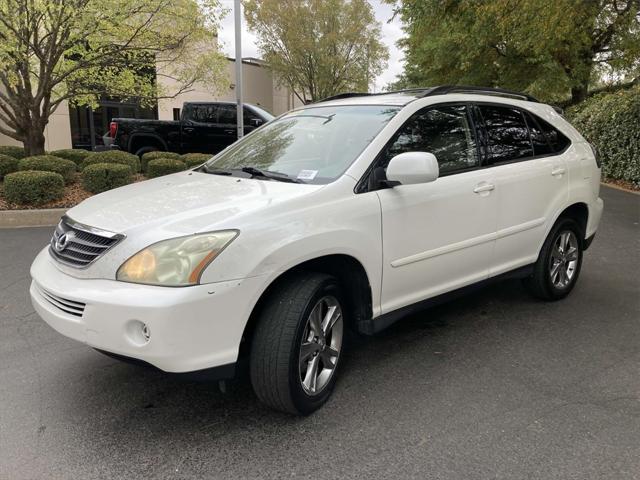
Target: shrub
(113, 156)
(77, 156)
(49, 163)
(164, 166)
(147, 157)
(611, 121)
(33, 188)
(194, 159)
(100, 177)
(15, 152)
(8, 165)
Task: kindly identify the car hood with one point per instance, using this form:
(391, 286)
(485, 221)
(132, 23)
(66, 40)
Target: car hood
(187, 202)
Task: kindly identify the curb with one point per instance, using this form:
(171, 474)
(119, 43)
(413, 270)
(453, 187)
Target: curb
(31, 218)
(617, 187)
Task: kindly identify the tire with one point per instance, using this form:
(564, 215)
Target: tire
(141, 151)
(548, 282)
(285, 346)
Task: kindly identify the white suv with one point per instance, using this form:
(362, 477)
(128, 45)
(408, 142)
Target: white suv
(338, 216)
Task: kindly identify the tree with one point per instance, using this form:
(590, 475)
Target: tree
(83, 50)
(318, 48)
(549, 49)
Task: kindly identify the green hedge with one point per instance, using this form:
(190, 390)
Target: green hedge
(611, 121)
(77, 156)
(164, 166)
(194, 159)
(15, 152)
(8, 165)
(33, 188)
(113, 156)
(147, 157)
(100, 177)
(49, 163)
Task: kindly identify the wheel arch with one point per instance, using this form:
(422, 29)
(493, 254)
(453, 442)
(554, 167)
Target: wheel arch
(352, 276)
(139, 140)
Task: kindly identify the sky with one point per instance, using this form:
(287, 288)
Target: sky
(391, 33)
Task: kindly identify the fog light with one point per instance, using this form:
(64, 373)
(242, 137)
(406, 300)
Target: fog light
(137, 332)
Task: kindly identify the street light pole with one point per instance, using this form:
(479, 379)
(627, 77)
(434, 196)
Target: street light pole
(238, 27)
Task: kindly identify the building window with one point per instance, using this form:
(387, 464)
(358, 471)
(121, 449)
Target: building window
(176, 114)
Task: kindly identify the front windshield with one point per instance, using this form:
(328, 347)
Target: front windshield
(313, 145)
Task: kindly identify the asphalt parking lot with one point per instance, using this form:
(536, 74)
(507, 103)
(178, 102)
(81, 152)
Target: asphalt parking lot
(496, 385)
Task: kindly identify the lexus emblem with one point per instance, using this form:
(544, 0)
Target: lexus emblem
(62, 241)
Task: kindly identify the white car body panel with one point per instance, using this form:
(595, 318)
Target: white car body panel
(413, 241)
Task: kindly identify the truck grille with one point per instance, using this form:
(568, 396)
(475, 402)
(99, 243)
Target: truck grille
(79, 245)
(71, 307)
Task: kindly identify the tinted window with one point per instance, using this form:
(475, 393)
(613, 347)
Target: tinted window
(444, 131)
(227, 114)
(507, 134)
(538, 138)
(203, 113)
(557, 140)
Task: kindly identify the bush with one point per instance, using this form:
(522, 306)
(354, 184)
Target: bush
(49, 163)
(611, 121)
(164, 166)
(147, 157)
(113, 156)
(194, 159)
(77, 156)
(100, 177)
(33, 188)
(8, 165)
(15, 152)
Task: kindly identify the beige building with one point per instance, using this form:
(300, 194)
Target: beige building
(83, 127)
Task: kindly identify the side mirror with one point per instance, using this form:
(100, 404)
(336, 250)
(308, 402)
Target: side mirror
(411, 168)
(255, 122)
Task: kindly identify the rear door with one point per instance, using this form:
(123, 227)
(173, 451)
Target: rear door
(200, 129)
(531, 180)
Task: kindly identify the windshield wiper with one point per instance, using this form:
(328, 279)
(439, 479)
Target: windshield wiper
(215, 171)
(258, 172)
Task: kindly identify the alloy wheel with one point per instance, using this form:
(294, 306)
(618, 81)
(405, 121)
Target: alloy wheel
(563, 262)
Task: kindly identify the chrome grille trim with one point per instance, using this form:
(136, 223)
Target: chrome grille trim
(71, 307)
(84, 244)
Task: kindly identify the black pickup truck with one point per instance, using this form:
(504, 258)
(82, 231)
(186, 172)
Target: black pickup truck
(203, 127)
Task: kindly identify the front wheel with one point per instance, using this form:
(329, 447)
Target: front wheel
(298, 343)
(558, 267)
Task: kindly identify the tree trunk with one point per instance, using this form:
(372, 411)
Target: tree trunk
(579, 93)
(34, 141)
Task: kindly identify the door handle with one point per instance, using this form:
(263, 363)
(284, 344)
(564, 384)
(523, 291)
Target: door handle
(484, 187)
(188, 129)
(558, 171)
(230, 132)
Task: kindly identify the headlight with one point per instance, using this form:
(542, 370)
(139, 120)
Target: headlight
(177, 262)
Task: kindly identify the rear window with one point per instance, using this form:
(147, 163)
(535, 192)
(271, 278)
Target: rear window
(507, 134)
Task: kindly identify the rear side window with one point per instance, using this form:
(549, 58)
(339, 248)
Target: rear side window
(507, 134)
(203, 113)
(557, 141)
(541, 145)
(444, 131)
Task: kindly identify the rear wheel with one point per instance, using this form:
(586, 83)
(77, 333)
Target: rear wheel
(142, 150)
(558, 266)
(297, 345)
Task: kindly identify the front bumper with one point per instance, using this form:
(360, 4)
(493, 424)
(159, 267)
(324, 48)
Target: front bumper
(189, 328)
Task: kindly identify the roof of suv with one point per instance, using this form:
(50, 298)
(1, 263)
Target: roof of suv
(403, 97)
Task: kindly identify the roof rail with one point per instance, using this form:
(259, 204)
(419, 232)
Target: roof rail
(344, 95)
(498, 92)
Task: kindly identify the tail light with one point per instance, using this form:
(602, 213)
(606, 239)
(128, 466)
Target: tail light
(113, 129)
(596, 155)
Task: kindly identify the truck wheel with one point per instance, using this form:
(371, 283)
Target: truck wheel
(558, 266)
(143, 150)
(297, 344)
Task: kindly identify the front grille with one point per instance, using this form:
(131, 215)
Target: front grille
(71, 307)
(79, 245)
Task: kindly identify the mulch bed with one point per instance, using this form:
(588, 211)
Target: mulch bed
(622, 184)
(73, 195)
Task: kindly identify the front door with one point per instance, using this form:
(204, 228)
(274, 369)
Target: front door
(437, 236)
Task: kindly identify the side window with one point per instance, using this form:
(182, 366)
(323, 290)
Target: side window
(556, 139)
(227, 114)
(507, 134)
(541, 145)
(444, 131)
(204, 113)
(248, 116)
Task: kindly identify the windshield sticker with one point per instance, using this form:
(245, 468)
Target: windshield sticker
(307, 174)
